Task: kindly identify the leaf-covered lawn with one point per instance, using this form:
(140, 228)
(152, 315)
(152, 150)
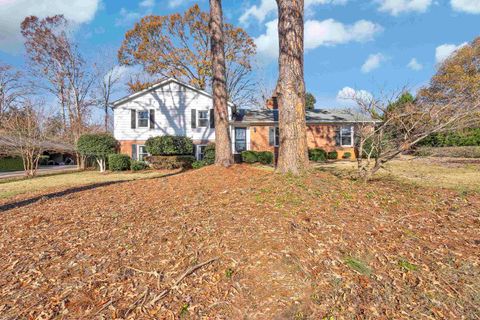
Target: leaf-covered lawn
(243, 243)
(10, 188)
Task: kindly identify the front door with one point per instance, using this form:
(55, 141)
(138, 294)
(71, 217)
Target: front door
(240, 140)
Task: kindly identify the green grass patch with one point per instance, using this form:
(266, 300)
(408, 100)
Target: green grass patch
(407, 266)
(358, 266)
(68, 180)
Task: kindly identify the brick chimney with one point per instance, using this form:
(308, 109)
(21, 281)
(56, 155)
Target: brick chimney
(272, 103)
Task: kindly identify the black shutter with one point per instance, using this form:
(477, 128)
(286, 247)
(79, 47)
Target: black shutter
(133, 118)
(212, 118)
(194, 118)
(338, 140)
(271, 136)
(134, 151)
(152, 119)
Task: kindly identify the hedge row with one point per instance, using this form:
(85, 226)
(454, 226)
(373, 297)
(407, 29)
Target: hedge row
(469, 137)
(320, 155)
(171, 162)
(11, 164)
(264, 157)
(453, 152)
(169, 146)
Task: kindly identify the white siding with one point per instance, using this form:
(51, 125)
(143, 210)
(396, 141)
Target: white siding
(173, 104)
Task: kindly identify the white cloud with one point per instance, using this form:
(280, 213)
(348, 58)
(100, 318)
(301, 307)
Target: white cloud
(443, 51)
(319, 33)
(373, 62)
(415, 65)
(350, 94)
(147, 4)
(468, 6)
(396, 7)
(126, 18)
(331, 32)
(13, 12)
(267, 43)
(177, 3)
(266, 7)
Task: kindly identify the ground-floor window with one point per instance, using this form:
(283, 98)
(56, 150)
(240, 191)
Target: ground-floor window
(201, 151)
(240, 139)
(142, 152)
(344, 136)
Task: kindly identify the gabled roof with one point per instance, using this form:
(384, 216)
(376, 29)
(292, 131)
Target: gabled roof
(266, 116)
(159, 85)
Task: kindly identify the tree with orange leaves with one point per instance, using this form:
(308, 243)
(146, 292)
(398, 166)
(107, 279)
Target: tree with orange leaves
(179, 46)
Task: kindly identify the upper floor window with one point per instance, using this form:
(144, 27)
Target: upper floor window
(143, 119)
(344, 136)
(202, 119)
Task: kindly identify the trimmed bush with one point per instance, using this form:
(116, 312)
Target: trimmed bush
(265, 157)
(333, 155)
(249, 156)
(169, 146)
(11, 164)
(99, 146)
(209, 154)
(317, 155)
(138, 165)
(199, 164)
(119, 162)
(347, 155)
(171, 162)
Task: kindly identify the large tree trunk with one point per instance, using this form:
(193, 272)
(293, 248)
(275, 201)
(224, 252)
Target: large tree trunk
(293, 153)
(223, 147)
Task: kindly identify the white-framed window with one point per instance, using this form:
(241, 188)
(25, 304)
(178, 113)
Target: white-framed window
(202, 116)
(344, 136)
(276, 140)
(143, 119)
(201, 151)
(142, 152)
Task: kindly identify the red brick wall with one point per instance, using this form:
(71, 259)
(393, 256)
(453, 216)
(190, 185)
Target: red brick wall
(318, 136)
(126, 146)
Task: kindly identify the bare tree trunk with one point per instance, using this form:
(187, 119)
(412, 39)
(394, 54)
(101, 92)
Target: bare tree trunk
(293, 153)
(223, 147)
(106, 117)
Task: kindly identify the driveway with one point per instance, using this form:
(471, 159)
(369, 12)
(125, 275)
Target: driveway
(41, 171)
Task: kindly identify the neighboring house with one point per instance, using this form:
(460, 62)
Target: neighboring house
(174, 108)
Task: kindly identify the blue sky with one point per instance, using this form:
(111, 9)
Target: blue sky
(371, 45)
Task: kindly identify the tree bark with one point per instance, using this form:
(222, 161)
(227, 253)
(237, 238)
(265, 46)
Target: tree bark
(293, 152)
(223, 147)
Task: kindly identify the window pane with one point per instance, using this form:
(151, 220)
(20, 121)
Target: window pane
(240, 139)
(346, 135)
(142, 152)
(203, 118)
(201, 152)
(346, 141)
(143, 119)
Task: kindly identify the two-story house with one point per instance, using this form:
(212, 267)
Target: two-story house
(171, 107)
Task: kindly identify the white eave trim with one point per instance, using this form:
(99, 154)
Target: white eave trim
(158, 85)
